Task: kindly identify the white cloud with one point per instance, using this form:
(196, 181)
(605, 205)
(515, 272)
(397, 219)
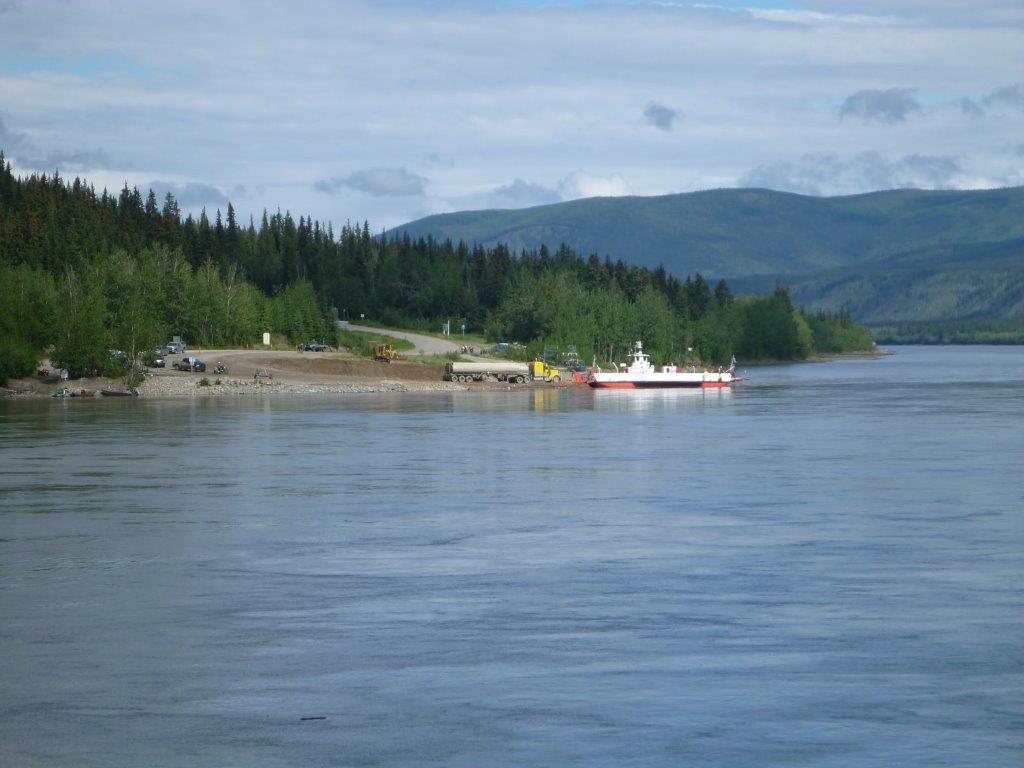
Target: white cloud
(888, 105)
(189, 195)
(26, 155)
(525, 194)
(520, 194)
(381, 182)
(10, 141)
(817, 18)
(969, 106)
(814, 174)
(360, 96)
(1007, 97)
(938, 11)
(580, 184)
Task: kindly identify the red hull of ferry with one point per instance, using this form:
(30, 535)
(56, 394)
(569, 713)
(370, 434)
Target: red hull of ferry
(658, 385)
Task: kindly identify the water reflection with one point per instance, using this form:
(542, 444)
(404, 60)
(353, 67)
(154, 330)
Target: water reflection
(620, 400)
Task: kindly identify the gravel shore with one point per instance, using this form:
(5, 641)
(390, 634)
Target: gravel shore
(253, 372)
(173, 386)
(163, 386)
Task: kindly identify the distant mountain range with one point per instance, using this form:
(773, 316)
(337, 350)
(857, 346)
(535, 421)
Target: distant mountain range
(903, 255)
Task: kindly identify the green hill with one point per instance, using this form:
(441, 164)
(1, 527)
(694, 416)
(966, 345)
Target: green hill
(903, 254)
(960, 281)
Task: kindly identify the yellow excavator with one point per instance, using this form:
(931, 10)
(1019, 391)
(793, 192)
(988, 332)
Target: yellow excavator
(384, 353)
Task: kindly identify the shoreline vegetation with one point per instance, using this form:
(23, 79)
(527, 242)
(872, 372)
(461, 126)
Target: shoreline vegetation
(823, 357)
(1003, 332)
(95, 282)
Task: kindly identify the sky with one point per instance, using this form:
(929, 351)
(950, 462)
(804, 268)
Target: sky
(391, 110)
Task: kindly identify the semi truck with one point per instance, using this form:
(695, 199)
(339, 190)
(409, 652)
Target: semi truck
(500, 370)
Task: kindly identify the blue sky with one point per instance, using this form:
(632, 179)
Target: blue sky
(392, 110)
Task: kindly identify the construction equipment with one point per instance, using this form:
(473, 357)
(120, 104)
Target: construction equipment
(571, 359)
(383, 353)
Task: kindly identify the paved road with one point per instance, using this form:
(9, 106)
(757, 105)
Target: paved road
(424, 345)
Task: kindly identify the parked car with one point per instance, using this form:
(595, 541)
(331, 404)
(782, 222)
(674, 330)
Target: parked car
(157, 362)
(314, 346)
(190, 364)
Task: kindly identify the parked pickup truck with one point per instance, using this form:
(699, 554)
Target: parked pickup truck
(314, 346)
(190, 364)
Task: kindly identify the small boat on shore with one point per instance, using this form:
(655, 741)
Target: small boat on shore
(133, 392)
(642, 374)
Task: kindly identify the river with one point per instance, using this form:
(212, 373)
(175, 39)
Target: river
(824, 566)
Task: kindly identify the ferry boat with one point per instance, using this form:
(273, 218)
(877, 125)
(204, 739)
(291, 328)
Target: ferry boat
(641, 374)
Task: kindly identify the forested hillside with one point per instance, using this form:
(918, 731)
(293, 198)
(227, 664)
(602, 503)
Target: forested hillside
(903, 254)
(940, 283)
(83, 272)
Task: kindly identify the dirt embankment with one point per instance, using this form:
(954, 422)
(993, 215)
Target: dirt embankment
(310, 366)
(278, 372)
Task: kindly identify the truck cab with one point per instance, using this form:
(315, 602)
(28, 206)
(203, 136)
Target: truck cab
(541, 371)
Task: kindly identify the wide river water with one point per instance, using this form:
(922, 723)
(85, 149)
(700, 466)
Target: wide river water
(822, 567)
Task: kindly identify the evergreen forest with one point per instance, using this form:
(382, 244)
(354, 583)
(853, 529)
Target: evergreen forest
(83, 273)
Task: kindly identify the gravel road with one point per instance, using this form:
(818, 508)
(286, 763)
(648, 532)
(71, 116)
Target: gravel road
(425, 345)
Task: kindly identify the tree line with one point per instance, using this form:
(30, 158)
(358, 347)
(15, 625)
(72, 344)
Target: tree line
(701, 326)
(98, 271)
(99, 317)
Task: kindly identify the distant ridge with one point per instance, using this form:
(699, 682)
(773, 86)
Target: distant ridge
(945, 250)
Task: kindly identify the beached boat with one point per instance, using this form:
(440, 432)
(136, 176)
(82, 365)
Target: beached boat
(642, 374)
(133, 392)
